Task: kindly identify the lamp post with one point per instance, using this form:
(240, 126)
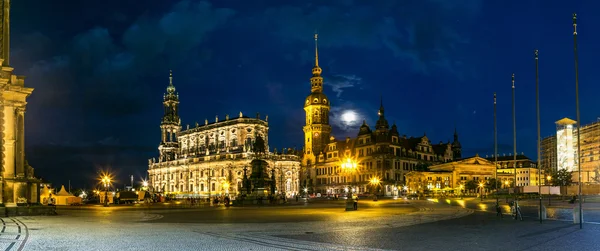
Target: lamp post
(549, 178)
(106, 182)
(506, 186)
(349, 167)
(481, 191)
(375, 183)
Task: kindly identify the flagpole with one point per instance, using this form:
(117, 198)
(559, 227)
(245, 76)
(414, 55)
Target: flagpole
(578, 117)
(496, 151)
(537, 100)
(514, 140)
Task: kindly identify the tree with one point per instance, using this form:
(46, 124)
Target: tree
(492, 184)
(471, 185)
(561, 178)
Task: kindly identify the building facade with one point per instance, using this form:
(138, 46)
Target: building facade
(451, 177)
(210, 159)
(565, 156)
(527, 171)
(382, 153)
(18, 183)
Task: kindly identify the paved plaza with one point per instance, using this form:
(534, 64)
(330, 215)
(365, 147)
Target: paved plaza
(382, 225)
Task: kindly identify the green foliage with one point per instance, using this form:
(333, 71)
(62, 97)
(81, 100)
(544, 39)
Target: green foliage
(471, 185)
(561, 178)
(492, 184)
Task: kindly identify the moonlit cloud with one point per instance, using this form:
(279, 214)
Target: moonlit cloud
(340, 82)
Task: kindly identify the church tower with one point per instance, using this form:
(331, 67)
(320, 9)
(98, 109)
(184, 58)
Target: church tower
(170, 124)
(18, 183)
(316, 106)
(456, 147)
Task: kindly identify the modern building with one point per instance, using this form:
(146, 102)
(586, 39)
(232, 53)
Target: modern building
(18, 183)
(565, 156)
(527, 171)
(210, 159)
(373, 161)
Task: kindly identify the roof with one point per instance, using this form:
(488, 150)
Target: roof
(566, 121)
(440, 149)
(63, 192)
(509, 158)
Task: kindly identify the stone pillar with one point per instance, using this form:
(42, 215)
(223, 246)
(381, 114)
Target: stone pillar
(9, 140)
(20, 141)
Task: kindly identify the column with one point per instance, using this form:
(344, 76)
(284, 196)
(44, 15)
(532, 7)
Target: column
(20, 142)
(9, 140)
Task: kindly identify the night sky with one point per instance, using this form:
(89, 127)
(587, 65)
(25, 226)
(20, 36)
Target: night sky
(100, 68)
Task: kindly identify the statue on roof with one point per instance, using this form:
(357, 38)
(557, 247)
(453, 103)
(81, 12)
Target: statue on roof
(259, 145)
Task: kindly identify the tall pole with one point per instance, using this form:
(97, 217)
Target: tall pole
(578, 118)
(495, 151)
(514, 138)
(537, 100)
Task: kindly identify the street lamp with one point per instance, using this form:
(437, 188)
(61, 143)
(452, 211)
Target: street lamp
(506, 186)
(349, 167)
(106, 182)
(481, 191)
(549, 178)
(375, 183)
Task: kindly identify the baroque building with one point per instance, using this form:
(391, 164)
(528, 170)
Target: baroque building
(211, 159)
(18, 183)
(382, 153)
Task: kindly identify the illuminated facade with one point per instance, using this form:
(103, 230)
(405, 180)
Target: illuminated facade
(565, 150)
(451, 177)
(566, 144)
(548, 150)
(527, 171)
(209, 159)
(18, 183)
(382, 153)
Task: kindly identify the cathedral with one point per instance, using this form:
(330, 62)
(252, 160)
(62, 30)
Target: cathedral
(381, 156)
(18, 184)
(210, 159)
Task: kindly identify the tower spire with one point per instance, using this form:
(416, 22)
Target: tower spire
(381, 111)
(316, 82)
(316, 50)
(171, 87)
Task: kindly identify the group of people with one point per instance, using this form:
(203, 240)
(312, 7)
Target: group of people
(515, 210)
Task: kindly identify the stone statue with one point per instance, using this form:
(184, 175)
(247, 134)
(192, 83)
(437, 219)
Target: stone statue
(259, 145)
(241, 114)
(267, 118)
(226, 116)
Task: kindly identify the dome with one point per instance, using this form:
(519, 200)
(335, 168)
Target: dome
(316, 98)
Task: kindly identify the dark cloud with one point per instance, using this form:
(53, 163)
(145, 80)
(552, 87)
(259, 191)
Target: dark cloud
(425, 41)
(107, 74)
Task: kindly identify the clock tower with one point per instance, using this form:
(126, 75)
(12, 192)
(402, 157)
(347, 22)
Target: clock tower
(316, 106)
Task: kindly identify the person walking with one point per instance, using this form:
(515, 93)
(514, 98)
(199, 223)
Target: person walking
(499, 211)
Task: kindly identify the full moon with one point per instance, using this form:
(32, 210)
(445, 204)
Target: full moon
(349, 117)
